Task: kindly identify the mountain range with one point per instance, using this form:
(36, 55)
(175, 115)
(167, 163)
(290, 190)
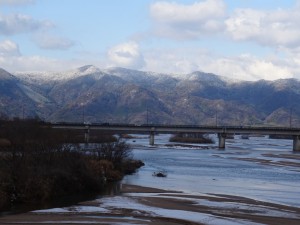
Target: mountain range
(119, 95)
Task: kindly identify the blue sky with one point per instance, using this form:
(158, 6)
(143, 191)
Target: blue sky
(243, 39)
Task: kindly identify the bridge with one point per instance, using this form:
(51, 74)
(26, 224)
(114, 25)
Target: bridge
(152, 129)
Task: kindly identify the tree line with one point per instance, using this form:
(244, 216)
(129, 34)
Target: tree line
(38, 163)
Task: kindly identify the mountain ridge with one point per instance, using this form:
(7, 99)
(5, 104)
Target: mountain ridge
(128, 96)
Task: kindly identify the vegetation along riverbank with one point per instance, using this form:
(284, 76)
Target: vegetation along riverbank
(39, 164)
(191, 138)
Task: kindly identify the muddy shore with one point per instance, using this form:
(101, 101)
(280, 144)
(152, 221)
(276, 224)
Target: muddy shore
(142, 205)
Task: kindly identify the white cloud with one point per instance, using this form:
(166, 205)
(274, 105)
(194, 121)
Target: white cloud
(180, 61)
(278, 29)
(275, 28)
(20, 23)
(46, 41)
(246, 67)
(292, 60)
(172, 60)
(267, 70)
(36, 63)
(126, 55)
(181, 21)
(9, 48)
(270, 28)
(243, 67)
(16, 2)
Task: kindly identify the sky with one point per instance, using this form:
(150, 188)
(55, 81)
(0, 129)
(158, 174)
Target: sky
(241, 39)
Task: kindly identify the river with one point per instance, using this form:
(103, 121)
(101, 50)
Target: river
(250, 168)
(253, 181)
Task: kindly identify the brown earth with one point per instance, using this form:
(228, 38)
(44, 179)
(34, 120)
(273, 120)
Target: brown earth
(166, 200)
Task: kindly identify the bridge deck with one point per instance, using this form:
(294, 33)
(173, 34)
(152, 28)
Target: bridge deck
(129, 128)
(157, 128)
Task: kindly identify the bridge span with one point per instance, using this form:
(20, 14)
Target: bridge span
(152, 129)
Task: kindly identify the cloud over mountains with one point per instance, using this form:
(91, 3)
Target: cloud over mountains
(240, 40)
(12, 24)
(280, 27)
(272, 28)
(181, 21)
(16, 2)
(9, 48)
(126, 55)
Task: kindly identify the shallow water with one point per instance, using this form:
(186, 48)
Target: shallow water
(204, 173)
(216, 171)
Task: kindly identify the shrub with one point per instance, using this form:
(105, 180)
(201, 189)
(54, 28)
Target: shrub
(115, 152)
(191, 138)
(38, 165)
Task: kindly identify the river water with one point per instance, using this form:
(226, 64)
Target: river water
(259, 168)
(237, 170)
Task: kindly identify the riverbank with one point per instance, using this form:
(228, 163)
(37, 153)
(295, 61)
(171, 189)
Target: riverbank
(218, 187)
(39, 165)
(142, 205)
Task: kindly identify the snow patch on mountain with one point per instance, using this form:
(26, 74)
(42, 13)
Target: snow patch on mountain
(205, 77)
(123, 72)
(45, 77)
(33, 95)
(126, 74)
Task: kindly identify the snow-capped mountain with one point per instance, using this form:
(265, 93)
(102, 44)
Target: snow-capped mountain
(119, 95)
(48, 77)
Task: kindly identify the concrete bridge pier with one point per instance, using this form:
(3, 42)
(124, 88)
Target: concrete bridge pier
(222, 138)
(86, 135)
(296, 144)
(151, 137)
